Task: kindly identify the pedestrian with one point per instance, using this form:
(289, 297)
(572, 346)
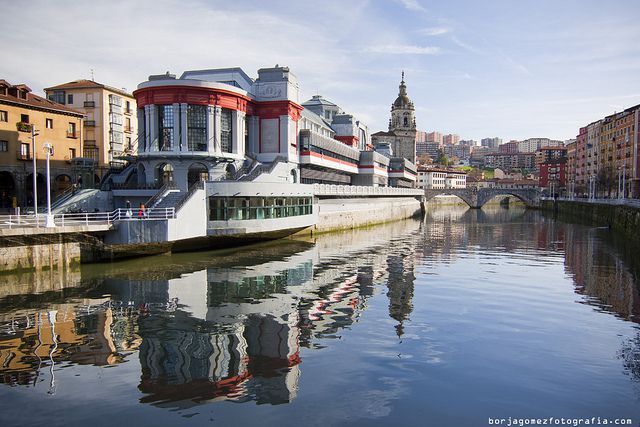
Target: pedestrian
(129, 214)
(142, 212)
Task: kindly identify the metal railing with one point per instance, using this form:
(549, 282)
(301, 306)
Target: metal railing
(358, 190)
(86, 218)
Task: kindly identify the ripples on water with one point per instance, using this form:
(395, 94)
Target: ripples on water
(464, 316)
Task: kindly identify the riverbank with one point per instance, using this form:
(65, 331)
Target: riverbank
(622, 218)
(152, 237)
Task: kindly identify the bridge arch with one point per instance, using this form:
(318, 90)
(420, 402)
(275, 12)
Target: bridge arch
(465, 194)
(476, 198)
(530, 197)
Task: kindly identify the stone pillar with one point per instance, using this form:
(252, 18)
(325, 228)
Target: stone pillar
(152, 125)
(254, 130)
(141, 116)
(175, 142)
(182, 136)
(238, 132)
(217, 127)
(211, 139)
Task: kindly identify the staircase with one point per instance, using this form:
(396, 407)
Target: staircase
(170, 199)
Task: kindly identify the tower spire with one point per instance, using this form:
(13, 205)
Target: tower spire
(402, 76)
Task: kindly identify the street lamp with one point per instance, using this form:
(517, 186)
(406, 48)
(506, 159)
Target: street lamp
(48, 149)
(34, 133)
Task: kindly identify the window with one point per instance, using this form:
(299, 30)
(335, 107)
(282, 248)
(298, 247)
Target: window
(49, 123)
(128, 107)
(24, 151)
(127, 125)
(24, 118)
(226, 130)
(115, 100)
(3, 116)
(72, 153)
(197, 128)
(57, 96)
(165, 127)
(128, 147)
(69, 98)
(91, 153)
(71, 130)
(4, 146)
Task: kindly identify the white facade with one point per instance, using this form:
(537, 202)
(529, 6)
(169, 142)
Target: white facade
(439, 179)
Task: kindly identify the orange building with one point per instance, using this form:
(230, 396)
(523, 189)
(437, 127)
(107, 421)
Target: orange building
(56, 124)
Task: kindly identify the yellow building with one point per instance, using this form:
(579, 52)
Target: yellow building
(110, 126)
(56, 124)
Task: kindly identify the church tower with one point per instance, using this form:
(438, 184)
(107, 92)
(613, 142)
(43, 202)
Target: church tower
(403, 124)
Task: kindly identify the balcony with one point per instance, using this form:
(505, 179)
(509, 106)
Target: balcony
(20, 155)
(89, 104)
(23, 127)
(128, 129)
(90, 123)
(128, 111)
(71, 135)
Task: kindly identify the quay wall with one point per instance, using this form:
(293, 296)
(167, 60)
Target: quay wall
(624, 219)
(40, 256)
(341, 214)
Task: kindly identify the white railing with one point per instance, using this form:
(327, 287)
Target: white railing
(86, 218)
(359, 190)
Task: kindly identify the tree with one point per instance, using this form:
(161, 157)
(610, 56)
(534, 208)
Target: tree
(606, 180)
(442, 159)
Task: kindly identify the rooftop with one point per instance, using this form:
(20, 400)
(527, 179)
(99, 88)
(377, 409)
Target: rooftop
(88, 84)
(20, 94)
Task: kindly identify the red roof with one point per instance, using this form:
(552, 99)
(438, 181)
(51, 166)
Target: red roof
(87, 84)
(34, 101)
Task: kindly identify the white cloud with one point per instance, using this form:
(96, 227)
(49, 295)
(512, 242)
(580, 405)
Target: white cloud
(434, 31)
(412, 5)
(404, 50)
(466, 46)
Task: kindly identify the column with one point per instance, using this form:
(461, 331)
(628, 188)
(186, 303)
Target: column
(177, 130)
(254, 131)
(211, 140)
(217, 127)
(183, 145)
(152, 127)
(141, 116)
(238, 132)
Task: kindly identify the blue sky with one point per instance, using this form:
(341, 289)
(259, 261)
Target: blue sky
(513, 69)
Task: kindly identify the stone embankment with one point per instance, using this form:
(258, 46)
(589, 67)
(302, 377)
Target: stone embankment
(622, 216)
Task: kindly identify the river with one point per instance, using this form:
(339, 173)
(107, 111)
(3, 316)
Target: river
(460, 319)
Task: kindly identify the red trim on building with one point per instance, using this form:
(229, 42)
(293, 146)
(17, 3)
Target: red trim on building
(164, 95)
(276, 109)
(323, 157)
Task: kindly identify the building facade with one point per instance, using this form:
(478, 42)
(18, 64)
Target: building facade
(221, 124)
(110, 125)
(491, 142)
(55, 124)
(439, 179)
(607, 156)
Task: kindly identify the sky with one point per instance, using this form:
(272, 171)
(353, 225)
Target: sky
(505, 68)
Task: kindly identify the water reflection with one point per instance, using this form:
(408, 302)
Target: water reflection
(234, 325)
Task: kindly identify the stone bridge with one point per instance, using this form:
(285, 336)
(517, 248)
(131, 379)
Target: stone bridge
(477, 198)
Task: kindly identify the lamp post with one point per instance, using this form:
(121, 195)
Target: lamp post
(624, 181)
(48, 148)
(34, 133)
